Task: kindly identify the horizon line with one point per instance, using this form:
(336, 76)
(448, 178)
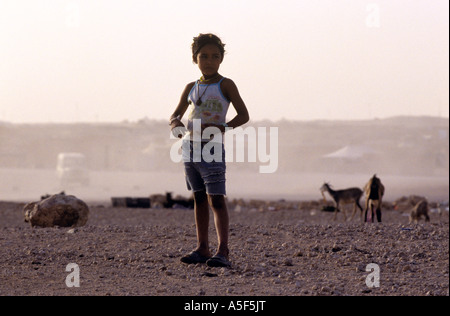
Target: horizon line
(158, 120)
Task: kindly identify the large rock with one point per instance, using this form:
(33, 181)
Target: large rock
(57, 210)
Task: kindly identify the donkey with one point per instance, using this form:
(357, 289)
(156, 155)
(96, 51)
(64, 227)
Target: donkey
(374, 190)
(347, 196)
(421, 209)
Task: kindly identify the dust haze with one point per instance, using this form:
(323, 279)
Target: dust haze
(409, 154)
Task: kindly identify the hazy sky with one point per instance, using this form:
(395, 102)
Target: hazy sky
(110, 60)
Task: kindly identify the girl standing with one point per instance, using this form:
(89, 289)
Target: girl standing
(209, 99)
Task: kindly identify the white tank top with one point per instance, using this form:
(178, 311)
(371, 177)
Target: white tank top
(212, 110)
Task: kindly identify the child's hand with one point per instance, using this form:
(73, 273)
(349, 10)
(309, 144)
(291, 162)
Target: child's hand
(178, 129)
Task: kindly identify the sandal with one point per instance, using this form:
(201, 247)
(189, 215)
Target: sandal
(194, 258)
(218, 261)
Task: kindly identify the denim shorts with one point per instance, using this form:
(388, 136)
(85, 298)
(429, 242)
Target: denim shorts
(205, 167)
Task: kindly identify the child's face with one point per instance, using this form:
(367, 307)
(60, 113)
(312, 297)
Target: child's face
(209, 59)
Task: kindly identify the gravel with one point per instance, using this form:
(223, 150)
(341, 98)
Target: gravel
(274, 253)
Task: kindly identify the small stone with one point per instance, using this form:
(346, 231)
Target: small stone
(326, 289)
(336, 248)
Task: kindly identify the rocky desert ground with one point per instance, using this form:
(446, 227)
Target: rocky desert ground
(285, 252)
(276, 249)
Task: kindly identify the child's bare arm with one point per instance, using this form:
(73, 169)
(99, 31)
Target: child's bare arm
(175, 119)
(232, 93)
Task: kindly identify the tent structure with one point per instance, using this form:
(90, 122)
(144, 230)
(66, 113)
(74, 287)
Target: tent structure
(351, 152)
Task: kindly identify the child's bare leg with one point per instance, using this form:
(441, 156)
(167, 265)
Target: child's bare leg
(202, 222)
(221, 221)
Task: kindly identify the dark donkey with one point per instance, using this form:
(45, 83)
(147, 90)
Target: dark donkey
(374, 190)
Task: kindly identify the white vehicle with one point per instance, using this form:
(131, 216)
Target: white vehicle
(71, 169)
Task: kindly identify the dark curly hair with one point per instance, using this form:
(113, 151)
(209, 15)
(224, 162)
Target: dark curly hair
(205, 39)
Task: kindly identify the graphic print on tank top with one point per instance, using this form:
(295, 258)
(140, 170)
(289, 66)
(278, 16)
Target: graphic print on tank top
(213, 108)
